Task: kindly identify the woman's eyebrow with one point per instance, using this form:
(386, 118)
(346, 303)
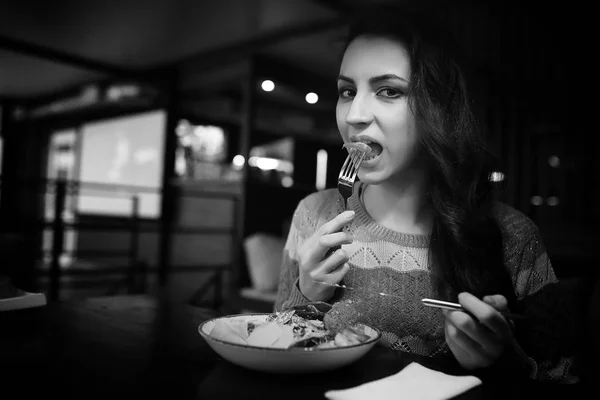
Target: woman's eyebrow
(345, 78)
(375, 79)
(387, 77)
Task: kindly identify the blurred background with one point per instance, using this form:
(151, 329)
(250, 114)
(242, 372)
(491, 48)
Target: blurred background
(162, 146)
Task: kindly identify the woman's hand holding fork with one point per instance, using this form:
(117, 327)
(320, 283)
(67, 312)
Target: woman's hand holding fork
(318, 264)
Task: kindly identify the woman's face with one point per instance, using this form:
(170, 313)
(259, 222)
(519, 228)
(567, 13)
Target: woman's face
(373, 106)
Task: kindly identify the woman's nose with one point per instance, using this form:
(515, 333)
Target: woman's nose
(359, 112)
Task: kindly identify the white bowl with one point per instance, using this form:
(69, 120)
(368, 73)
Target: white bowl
(287, 361)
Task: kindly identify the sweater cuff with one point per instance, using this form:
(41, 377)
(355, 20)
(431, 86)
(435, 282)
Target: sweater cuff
(296, 297)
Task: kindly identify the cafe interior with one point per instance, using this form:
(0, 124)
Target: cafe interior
(161, 147)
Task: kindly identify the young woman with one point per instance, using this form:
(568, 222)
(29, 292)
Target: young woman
(423, 221)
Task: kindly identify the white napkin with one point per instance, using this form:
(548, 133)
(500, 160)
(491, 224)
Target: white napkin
(414, 382)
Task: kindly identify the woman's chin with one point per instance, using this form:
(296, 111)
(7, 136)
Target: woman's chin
(372, 171)
(370, 177)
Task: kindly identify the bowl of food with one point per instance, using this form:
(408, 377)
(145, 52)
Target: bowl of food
(294, 340)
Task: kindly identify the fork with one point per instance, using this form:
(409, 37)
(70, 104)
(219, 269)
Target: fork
(427, 302)
(348, 174)
(346, 181)
(456, 306)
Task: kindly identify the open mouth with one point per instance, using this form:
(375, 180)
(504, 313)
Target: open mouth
(376, 150)
(372, 149)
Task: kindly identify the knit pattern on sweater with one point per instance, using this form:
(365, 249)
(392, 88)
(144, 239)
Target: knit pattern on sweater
(394, 263)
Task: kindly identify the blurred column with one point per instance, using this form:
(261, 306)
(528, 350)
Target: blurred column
(247, 127)
(58, 235)
(9, 164)
(169, 189)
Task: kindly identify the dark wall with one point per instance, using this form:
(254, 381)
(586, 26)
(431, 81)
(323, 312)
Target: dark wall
(21, 201)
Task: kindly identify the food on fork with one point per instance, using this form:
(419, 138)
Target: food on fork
(371, 149)
(357, 145)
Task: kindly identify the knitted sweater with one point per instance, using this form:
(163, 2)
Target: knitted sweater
(382, 260)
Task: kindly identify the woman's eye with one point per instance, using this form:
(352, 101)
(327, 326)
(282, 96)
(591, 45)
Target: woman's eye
(346, 93)
(389, 92)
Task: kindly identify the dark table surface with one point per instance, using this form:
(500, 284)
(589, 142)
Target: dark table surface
(145, 347)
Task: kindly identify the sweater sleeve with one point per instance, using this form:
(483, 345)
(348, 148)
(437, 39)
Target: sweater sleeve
(288, 292)
(546, 339)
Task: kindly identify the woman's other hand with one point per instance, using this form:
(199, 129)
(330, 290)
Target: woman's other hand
(478, 340)
(316, 265)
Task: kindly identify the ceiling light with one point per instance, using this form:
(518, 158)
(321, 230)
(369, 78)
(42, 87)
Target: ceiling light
(496, 176)
(554, 161)
(552, 201)
(537, 200)
(311, 98)
(238, 161)
(267, 85)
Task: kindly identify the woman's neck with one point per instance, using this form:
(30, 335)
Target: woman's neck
(401, 208)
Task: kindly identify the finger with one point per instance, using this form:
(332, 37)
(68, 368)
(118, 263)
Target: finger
(333, 242)
(497, 301)
(500, 303)
(452, 333)
(486, 314)
(335, 239)
(459, 339)
(466, 352)
(478, 333)
(338, 274)
(332, 263)
(318, 250)
(337, 223)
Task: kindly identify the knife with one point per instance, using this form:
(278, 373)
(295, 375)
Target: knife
(428, 302)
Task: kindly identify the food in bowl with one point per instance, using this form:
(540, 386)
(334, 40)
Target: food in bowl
(292, 341)
(298, 327)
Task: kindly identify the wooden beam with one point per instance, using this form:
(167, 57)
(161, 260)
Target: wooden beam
(340, 6)
(247, 48)
(60, 57)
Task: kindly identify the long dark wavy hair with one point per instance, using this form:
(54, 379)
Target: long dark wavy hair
(466, 251)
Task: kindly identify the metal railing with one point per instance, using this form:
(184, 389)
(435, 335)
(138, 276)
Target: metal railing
(57, 224)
